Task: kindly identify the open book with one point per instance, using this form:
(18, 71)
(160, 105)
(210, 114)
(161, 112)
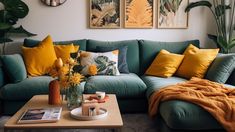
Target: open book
(41, 115)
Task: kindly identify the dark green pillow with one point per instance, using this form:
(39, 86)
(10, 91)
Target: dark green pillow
(221, 68)
(14, 67)
(122, 63)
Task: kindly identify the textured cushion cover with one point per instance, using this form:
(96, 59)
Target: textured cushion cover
(165, 64)
(33, 43)
(39, 59)
(122, 64)
(196, 62)
(149, 50)
(221, 68)
(124, 85)
(132, 51)
(25, 89)
(14, 67)
(155, 83)
(106, 63)
(63, 51)
(183, 115)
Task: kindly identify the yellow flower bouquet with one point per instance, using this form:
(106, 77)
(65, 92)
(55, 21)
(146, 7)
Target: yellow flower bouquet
(70, 78)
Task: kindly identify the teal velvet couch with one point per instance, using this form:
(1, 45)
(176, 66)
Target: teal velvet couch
(132, 90)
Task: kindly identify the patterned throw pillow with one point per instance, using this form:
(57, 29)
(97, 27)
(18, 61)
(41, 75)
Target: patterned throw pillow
(106, 63)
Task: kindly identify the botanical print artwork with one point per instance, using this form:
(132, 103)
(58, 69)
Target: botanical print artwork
(171, 14)
(139, 13)
(105, 13)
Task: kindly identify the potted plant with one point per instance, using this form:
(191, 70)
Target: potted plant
(224, 38)
(12, 11)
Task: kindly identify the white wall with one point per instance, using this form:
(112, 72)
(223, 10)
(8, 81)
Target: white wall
(70, 21)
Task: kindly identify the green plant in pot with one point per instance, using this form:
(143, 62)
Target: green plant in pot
(12, 11)
(224, 38)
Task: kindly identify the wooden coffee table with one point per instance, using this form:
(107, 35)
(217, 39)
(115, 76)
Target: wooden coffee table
(112, 121)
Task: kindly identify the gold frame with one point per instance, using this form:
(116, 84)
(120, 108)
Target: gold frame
(158, 15)
(139, 27)
(104, 27)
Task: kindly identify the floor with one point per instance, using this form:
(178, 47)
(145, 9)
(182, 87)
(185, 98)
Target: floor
(132, 123)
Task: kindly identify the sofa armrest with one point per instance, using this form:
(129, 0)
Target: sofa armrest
(231, 79)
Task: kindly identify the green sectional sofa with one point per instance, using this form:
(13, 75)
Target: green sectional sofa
(132, 90)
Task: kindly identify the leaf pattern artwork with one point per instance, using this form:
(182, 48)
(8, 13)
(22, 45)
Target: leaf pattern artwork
(105, 14)
(139, 14)
(171, 13)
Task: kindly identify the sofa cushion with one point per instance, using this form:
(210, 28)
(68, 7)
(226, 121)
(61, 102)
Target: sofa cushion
(155, 83)
(39, 59)
(25, 89)
(14, 67)
(64, 51)
(124, 85)
(33, 43)
(149, 50)
(184, 115)
(105, 63)
(165, 64)
(196, 62)
(122, 64)
(132, 51)
(221, 68)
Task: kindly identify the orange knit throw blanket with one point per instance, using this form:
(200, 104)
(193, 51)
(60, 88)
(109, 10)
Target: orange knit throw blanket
(213, 97)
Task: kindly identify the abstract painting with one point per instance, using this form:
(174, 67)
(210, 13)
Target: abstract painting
(104, 13)
(171, 14)
(139, 13)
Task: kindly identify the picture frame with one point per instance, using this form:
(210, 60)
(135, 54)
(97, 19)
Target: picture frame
(139, 13)
(105, 14)
(174, 18)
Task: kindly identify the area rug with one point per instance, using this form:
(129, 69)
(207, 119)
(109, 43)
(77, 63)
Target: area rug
(132, 123)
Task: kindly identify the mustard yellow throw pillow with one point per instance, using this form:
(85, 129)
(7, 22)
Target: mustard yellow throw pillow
(38, 60)
(165, 64)
(196, 62)
(63, 51)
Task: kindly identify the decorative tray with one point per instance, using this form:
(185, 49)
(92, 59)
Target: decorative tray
(77, 114)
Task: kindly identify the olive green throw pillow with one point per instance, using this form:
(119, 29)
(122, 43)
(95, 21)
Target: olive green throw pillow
(14, 67)
(221, 68)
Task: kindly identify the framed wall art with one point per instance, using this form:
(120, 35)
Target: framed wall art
(139, 14)
(171, 14)
(104, 14)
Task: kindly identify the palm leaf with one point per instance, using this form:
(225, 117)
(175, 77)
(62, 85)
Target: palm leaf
(219, 10)
(231, 44)
(197, 4)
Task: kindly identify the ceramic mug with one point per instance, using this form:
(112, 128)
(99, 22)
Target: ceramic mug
(100, 95)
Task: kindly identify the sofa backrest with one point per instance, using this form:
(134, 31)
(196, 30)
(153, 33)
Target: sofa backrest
(132, 51)
(149, 50)
(80, 42)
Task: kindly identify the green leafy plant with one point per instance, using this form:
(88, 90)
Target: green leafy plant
(225, 29)
(12, 11)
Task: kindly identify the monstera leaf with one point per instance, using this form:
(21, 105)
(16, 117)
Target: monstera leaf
(12, 11)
